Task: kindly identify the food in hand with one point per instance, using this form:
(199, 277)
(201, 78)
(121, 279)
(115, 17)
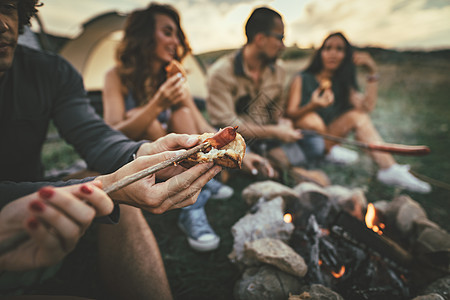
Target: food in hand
(223, 137)
(325, 84)
(175, 67)
(227, 148)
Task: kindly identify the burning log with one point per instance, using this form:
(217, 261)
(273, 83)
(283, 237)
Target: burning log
(356, 232)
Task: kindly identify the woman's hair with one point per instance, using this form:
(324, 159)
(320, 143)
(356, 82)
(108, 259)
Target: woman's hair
(26, 9)
(345, 75)
(136, 52)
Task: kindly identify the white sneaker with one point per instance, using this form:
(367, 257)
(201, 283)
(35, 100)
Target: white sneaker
(195, 225)
(398, 175)
(341, 155)
(219, 191)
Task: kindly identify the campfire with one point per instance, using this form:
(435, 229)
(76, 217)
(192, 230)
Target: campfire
(311, 240)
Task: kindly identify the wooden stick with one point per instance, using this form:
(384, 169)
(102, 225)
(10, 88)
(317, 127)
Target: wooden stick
(385, 147)
(153, 169)
(21, 237)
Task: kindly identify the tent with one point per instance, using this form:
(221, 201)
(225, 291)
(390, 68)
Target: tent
(92, 54)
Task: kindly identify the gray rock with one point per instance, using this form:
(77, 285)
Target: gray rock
(308, 187)
(266, 282)
(268, 190)
(429, 297)
(316, 292)
(440, 287)
(276, 253)
(403, 212)
(353, 201)
(266, 222)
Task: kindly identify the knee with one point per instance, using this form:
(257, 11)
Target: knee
(311, 121)
(359, 117)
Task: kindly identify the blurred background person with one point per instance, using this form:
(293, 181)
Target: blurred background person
(140, 101)
(341, 108)
(245, 88)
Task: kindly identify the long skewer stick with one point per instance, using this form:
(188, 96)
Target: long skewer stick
(385, 147)
(21, 237)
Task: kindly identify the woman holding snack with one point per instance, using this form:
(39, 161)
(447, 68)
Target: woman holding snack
(325, 97)
(145, 96)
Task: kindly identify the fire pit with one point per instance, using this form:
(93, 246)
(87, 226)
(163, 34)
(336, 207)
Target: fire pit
(385, 250)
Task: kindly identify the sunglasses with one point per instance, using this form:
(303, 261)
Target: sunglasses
(278, 36)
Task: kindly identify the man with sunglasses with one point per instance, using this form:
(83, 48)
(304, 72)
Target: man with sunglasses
(245, 88)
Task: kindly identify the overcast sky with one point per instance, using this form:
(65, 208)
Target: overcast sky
(218, 24)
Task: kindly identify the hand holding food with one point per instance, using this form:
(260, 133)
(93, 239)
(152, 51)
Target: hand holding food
(325, 84)
(227, 148)
(322, 99)
(173, 68)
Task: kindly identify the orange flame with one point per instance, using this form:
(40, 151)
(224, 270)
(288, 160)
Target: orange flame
(339, 274)
(287, 218)
(370, 220)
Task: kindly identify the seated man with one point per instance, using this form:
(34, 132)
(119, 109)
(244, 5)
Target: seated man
(36, 88)
(245, 88)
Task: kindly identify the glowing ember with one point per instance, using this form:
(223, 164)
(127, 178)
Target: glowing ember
(287, 218)
(339, 274)
(370, 220)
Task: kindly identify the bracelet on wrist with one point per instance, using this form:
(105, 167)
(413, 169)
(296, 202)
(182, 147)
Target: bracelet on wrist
(373, 77)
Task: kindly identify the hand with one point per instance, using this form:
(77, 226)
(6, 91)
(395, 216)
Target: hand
(257, 164)
(171, 92)
(365, 59)
(178, 191)
(288, 134)
(55, 219)
(322, 100)
(286, 122)
(169, 142)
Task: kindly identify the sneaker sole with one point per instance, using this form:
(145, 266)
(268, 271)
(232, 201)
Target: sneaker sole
(202, 246)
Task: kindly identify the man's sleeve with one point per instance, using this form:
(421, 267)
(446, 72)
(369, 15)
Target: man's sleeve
(104, 149)
(219, 102)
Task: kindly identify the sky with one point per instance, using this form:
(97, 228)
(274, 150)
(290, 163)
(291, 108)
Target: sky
(219, 24)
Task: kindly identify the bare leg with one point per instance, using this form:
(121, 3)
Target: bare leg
(365, 132)
(279, 158)
(182, 121)
(311, 121)
(130, 262)
(154, 131)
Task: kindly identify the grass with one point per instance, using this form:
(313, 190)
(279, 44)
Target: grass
(413, 108)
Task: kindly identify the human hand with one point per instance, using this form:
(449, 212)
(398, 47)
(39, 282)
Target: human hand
(178, 191)
(286, 122)
(169, 142)
(55, 219)
(322, 100)
(287, 134)
(257, 164)
(172, 91)
(364, 59)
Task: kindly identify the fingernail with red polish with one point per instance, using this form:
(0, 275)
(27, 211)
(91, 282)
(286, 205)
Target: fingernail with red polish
(37, 206)
(32, 223)
(86, 189)
(46, 192)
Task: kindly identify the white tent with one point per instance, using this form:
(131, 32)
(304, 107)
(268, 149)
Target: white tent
(92, 54)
